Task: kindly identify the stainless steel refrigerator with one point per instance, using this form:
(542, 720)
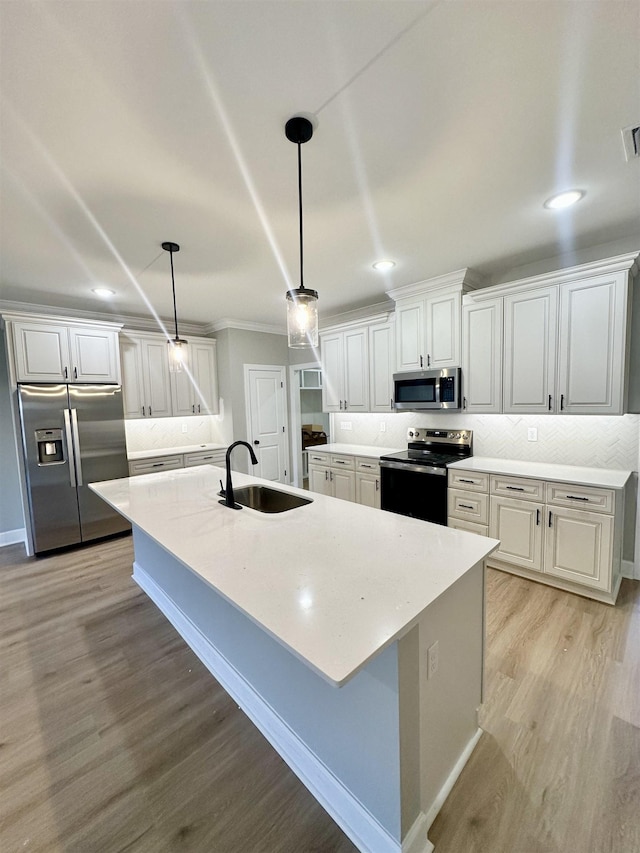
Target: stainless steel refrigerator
(72, 435)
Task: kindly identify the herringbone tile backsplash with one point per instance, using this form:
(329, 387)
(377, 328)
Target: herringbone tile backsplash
(597, 442)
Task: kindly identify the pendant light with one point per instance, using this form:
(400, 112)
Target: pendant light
(177, 345)
(302, 303)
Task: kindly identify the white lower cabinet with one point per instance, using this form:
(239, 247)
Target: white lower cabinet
(368, 482)
(155, 464)
(170, 462)
(563, 534)
(335, 475)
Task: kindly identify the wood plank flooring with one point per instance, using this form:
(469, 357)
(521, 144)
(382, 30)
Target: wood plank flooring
(113, 736)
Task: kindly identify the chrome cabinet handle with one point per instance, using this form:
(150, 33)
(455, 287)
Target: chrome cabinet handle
(76, 445)
(70, 453)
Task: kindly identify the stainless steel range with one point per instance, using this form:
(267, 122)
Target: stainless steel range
(414, 481)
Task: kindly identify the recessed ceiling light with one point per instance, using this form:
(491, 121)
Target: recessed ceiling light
(103, 291)
(383, 266)
(566, 199)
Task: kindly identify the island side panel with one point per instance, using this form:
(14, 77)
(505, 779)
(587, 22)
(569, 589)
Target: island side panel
(450, 698)
(353, 730)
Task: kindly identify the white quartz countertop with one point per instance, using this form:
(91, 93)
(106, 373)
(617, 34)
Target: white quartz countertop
(603, 477)
(172, 451)
(354, 449)
(333, 581)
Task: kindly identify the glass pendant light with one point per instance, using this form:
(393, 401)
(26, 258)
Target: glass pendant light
(177, 345)
(302, 303)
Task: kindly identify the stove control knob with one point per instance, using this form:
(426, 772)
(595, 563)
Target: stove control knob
(417, 433)
(410, 433)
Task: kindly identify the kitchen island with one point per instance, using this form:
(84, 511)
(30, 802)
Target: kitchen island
(353, 638)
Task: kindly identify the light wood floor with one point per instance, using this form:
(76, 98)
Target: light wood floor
(113, 736)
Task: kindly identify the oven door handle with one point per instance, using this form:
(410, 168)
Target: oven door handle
(407, 466)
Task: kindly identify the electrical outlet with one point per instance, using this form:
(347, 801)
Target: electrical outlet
(532, 434)
(184, 427)
(346, 425)
(383, 427)
(432, 660)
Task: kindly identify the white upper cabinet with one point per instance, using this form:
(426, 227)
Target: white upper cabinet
(482, 356)
(194, 391)
(591, 364)
(381, 366)
(530, 335)
(566, 342)
(345, 364)
(428, 321)
(51, 351)
(410, 334)
(145, 376)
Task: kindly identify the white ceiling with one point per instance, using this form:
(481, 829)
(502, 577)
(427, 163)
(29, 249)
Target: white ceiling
(441, 129)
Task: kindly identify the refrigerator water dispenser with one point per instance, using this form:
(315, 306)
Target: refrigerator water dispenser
(49, 443)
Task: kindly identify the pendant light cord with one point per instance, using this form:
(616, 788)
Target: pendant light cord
(300, 212)
(173, 287)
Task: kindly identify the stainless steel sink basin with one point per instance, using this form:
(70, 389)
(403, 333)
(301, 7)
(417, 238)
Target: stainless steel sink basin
(265, 499)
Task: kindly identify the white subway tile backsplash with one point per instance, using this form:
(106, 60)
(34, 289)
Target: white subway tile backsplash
(598, 442)
(158, 433)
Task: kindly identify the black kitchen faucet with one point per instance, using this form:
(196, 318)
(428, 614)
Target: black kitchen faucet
(227, 492)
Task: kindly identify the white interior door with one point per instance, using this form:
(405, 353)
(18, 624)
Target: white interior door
(266, 420)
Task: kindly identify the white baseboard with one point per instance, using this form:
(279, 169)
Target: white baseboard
(630, 570)
(12, 537)
(348, 812)
(452, 778)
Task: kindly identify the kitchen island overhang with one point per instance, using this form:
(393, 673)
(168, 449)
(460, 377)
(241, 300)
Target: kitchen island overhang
(285, 609)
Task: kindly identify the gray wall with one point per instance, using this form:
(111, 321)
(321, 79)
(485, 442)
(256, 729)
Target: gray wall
(237, 347)
(10, 499)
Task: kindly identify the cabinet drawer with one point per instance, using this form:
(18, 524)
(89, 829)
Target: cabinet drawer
(367, 466)
(150, 466)
(467, 481)
(343, 462)
(517, 487)
(211, 457)
(469, 506)
(470, 526)
(318, 458)
(581, 497)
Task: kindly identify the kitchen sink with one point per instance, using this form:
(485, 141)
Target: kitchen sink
(265, 499)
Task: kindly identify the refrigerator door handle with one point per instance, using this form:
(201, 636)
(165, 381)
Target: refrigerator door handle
(76, 445)
(70, 453)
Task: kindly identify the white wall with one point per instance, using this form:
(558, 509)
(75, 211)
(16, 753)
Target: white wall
(11, 520)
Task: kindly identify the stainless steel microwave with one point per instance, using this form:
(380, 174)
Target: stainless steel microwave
(426, 390)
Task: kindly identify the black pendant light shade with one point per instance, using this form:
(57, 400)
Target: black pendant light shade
(302, 303)
(177, 345)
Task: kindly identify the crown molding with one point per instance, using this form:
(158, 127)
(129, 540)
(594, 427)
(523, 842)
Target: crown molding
(620, 263)
(128, 321)
(244, 325)
(464, 279)
(377, 312)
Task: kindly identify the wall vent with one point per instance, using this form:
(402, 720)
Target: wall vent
(631, 142)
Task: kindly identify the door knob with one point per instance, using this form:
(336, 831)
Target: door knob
(256, 441)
